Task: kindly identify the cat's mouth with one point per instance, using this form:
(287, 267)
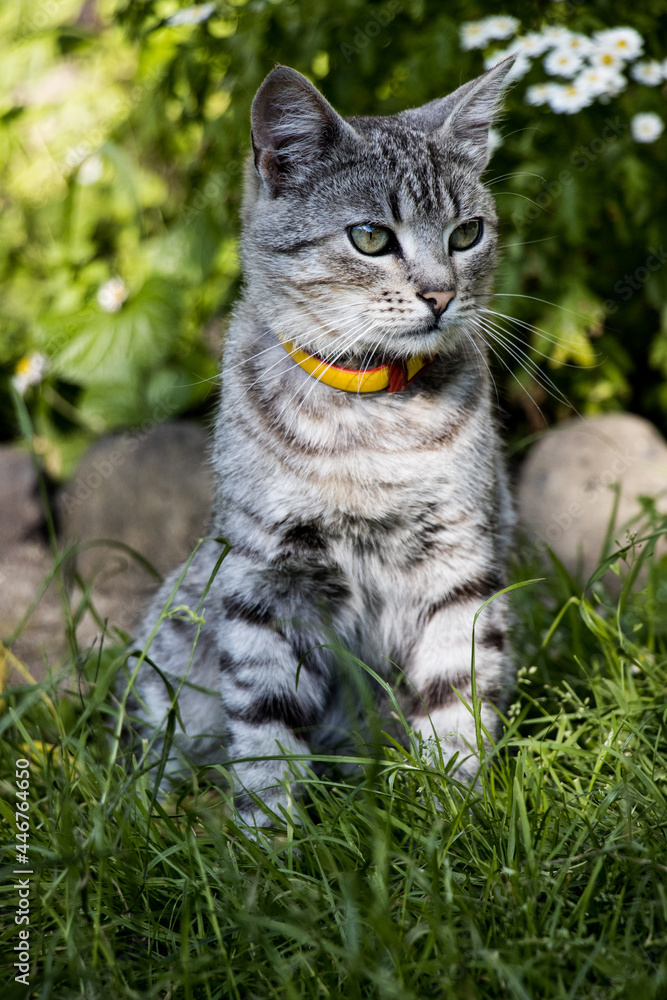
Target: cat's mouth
(412, 345)
(428, 338)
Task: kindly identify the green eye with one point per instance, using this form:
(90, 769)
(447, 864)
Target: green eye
(371, 240)
(466, 235)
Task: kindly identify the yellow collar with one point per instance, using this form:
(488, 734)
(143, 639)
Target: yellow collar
(394, 377)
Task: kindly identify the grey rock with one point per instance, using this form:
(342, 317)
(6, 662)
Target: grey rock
(148, 490)
(20, 509)
(566, 486)
(24, 569)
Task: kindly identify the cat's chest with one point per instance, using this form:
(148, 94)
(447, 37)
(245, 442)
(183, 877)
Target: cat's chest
(377, 487)
(389, 520)
(378, 458)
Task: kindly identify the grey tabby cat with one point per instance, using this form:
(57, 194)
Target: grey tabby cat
(360, 477)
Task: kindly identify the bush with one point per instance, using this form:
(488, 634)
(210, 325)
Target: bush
(124, 133)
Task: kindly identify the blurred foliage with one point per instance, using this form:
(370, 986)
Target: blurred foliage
(122, 142)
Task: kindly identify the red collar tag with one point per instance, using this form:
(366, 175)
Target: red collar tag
(398, 376)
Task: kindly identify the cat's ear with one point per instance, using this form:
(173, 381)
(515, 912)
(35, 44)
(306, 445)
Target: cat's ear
(463, 118)
(293, 128)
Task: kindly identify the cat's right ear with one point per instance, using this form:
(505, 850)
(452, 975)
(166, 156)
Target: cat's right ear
(293, 129)
(463, 119)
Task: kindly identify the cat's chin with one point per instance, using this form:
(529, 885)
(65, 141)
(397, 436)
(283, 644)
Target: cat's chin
(435, 340)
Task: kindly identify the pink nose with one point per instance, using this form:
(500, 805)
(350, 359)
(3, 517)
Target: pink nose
(438, 301)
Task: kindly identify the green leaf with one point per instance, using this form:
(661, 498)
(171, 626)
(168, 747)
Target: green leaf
(112, 347)
(577, 316)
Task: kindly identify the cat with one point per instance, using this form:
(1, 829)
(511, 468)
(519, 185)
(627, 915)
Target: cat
(360, 476)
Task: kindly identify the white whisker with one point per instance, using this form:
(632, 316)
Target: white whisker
(471, 340)
(516, 338)
(514, 173)
(525, 362)
(531, 328)
(508, 368)
(554, 305)
(520, 356)
(331, 359)
(525, 243)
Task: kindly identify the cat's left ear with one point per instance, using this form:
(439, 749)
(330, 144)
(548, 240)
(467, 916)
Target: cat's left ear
(293, 129)
(463, 118)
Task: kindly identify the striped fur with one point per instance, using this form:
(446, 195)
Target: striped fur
(381, 521)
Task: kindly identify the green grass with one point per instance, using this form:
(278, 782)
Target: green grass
(390, 882)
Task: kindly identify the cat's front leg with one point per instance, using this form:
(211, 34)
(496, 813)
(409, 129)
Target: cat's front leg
(249, 685)
(273, 702)
(440, 670)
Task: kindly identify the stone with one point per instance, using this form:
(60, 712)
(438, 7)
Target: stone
(25, 562)
(23, 570)
(20, 509)
(565, 496)
(147, 490)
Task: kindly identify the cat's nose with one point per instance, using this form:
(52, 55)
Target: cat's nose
(438, 301)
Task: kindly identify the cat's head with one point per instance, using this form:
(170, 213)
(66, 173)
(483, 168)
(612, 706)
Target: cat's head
(368, 237)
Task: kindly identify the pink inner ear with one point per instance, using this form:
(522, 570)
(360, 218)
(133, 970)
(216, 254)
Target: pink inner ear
(288, 111)
(268, 165)
(294, 125)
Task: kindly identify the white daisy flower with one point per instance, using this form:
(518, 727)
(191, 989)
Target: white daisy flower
(473, 35)
(521, 66)
(646, 127)
(90, 170)
(606, 57)
(626, 42)
(191, 15)
(616, 84)
(598, 80)
(502, 26)
(532, 44)
(567, 99)
(649, 72)
(562, 62)
(30, 370)
(555, 36)
(575, 42)
(539, 93)
(112, 294)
